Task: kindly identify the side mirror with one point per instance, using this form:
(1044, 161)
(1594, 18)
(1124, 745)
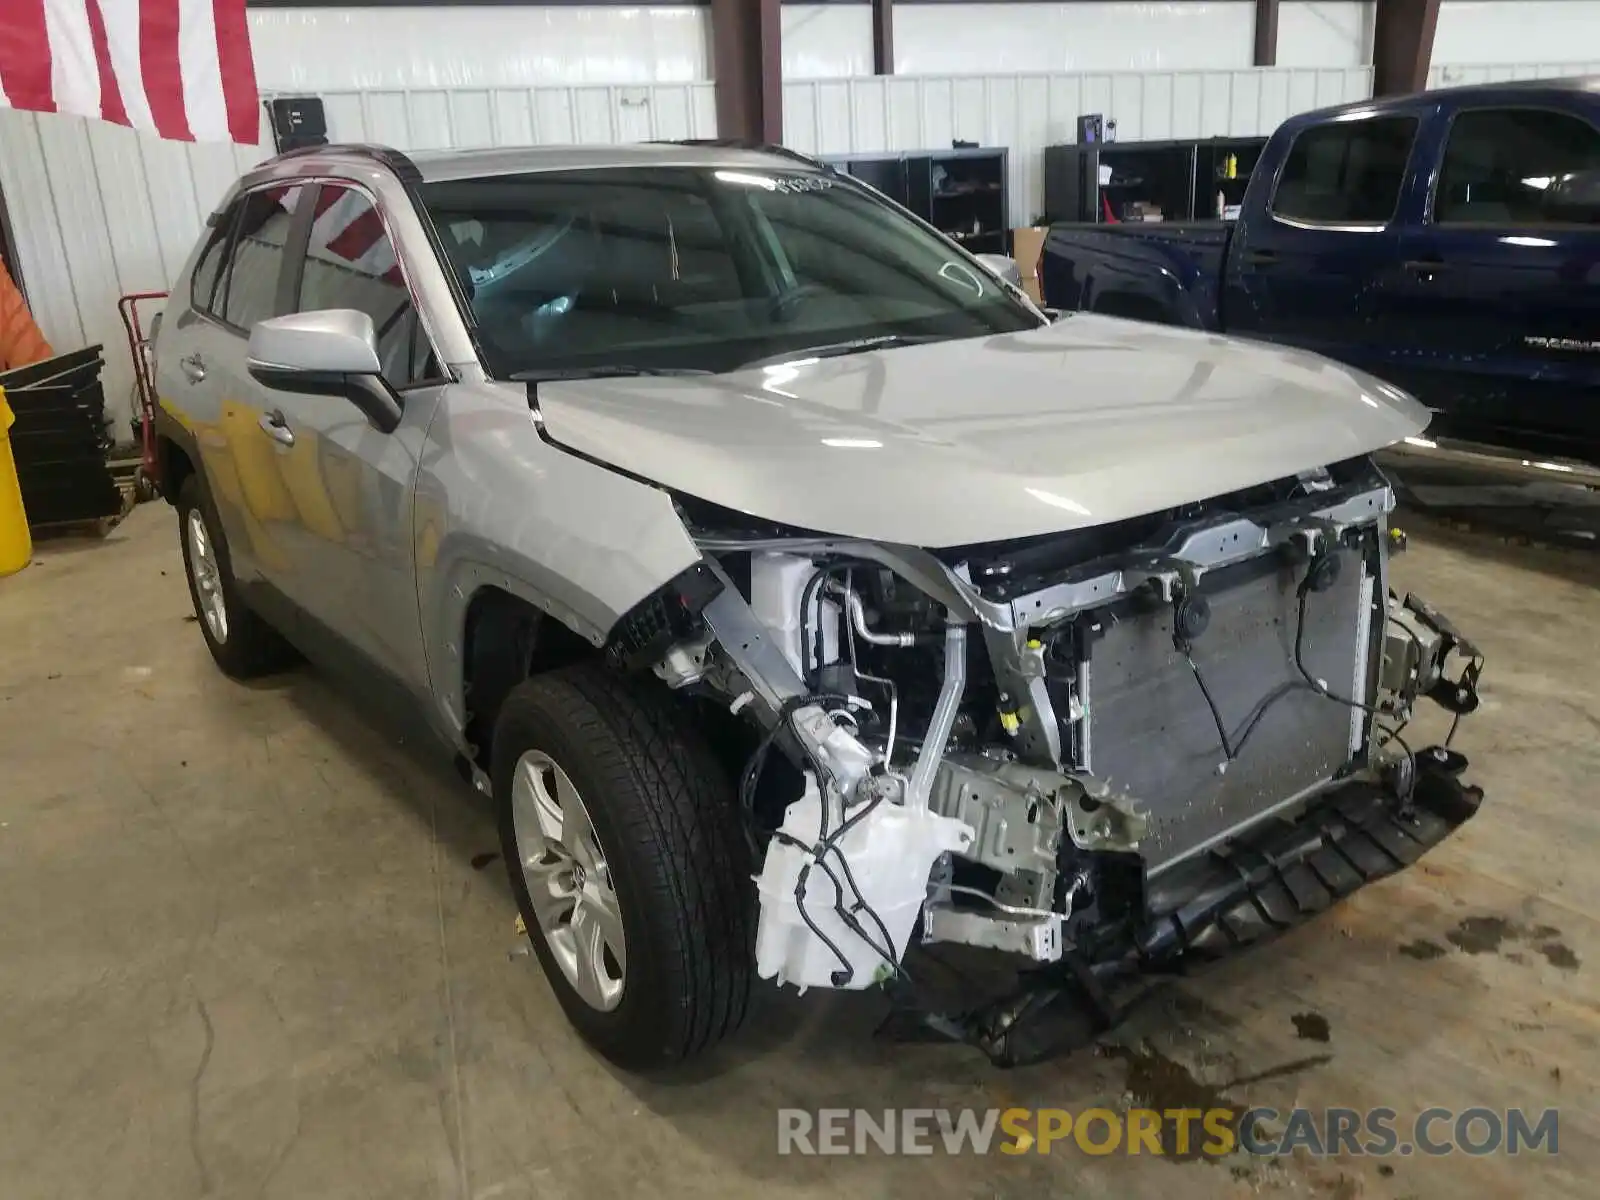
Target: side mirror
(1574, 198)
(1002, 266)
(332, 352)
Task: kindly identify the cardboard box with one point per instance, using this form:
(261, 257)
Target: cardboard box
(1027, 244)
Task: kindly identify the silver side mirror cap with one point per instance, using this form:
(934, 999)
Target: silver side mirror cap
(332, 341)
(332, 352)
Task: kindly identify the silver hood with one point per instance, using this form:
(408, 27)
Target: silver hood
(1080, 423)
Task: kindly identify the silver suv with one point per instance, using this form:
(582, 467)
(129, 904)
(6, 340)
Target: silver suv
(801, 592)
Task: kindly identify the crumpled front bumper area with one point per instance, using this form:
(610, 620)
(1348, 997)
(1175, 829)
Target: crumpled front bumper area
(1273, 879)
(1262, 884)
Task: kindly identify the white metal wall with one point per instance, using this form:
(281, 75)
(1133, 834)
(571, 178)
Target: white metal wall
(457, 118)
(827, 41)
(1029, 112)
(1150, 35)
(1453, 75)
(1324, 33)
(494, 46)
(1514, 31)
(99, 211)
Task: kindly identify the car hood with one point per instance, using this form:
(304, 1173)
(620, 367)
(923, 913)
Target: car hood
(1080, 423)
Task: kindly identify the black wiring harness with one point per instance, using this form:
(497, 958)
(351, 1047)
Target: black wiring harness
(1320, 574)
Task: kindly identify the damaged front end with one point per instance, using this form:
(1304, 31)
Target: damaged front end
(1108, 751)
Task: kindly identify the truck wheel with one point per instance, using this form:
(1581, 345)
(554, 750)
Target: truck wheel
(244, 645)
(619, 832)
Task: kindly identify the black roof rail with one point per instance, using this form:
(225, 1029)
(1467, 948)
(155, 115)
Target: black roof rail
(772, 148)
(396, 160)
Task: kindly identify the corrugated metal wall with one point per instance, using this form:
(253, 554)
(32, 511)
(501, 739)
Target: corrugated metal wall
(98, 211)
(1029, 112)
(1454, 74)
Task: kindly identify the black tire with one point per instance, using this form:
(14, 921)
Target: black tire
(664, 814)
(250, 648)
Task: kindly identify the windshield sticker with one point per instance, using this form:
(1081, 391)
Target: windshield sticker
(802, 183)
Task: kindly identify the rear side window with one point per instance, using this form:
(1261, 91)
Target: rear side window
(351, 263)
(208, 269)
(249, 289)
(1500, 166)
(1345, 172)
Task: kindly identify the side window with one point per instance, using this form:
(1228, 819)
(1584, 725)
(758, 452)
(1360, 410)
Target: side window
(1345, 172)
(249, 289)
(208, 268)
(1500, 166)
(350, 263)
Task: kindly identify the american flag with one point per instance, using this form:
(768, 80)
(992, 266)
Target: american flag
(177, 68)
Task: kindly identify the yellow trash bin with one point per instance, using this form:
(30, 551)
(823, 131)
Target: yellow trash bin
(16, 545)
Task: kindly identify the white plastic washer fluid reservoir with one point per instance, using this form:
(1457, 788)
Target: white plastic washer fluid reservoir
(891, 854)
(777, 590)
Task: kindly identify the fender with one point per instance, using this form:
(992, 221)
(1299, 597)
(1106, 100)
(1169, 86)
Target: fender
(495, 507)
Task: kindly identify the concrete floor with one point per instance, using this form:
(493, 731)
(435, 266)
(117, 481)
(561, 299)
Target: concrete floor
(251, 947)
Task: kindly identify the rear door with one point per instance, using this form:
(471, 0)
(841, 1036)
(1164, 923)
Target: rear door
(248, 291)
(1500, 285)
(1302, 273)
(202, 362)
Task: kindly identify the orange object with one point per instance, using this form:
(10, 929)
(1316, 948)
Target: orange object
(21, 341)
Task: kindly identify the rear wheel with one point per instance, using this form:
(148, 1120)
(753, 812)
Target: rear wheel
(618, 829)
(242, 644)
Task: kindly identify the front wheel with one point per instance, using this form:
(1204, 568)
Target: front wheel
(619, 833)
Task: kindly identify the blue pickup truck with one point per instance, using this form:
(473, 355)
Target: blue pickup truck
(1447, 242)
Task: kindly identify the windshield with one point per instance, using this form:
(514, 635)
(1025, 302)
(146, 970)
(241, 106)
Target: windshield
(701, 269)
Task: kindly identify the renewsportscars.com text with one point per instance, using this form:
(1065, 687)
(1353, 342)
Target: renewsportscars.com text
(1174, 1132)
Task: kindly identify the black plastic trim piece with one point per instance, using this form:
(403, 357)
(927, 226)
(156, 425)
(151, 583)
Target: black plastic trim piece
(386, 156)
(1263, 883)
(772, 148)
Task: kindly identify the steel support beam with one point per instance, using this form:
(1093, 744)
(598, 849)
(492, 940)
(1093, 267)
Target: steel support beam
(1266, 33)
(883, 37)
(747, 57)
(1402, 45)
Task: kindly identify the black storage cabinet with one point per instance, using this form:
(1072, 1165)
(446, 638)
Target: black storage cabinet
(962, 193)
(1182, 178)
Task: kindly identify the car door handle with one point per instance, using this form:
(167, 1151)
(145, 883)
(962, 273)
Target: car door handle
(1260, 258)
(277, 428)
(194, 368)
(1425, 268)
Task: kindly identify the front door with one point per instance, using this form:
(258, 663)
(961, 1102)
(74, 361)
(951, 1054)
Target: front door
(1501, 285)
(1302, 275)
(351, 484)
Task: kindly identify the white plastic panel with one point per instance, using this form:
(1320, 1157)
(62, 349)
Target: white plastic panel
(952, 39)
(1515, 31)
(495, 46)
(821, 41)
(1028, 112)
(1325, 33)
